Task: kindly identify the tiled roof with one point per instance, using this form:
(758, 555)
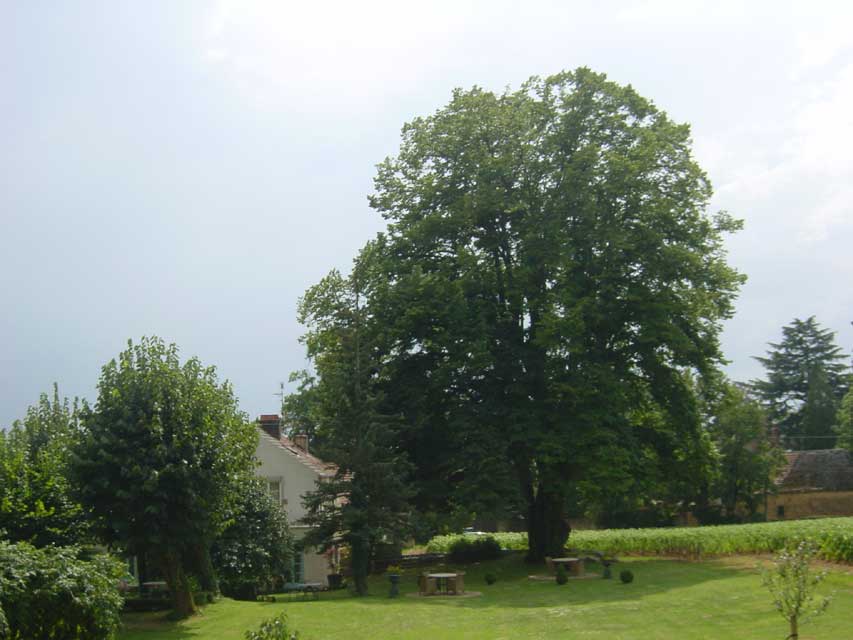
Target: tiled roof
(326, 469)
(817, 470)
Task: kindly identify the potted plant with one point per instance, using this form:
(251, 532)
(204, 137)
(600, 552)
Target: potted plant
(394, 572)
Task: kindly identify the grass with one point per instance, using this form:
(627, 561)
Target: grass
(668, 599)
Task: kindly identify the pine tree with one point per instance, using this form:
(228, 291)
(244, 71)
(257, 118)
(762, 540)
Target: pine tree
(806, 380)
(365, 504)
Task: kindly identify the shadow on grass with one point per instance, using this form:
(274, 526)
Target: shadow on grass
(142, 625)
(514, 589)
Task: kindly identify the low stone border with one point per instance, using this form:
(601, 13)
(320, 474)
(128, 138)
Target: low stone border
(586, 576)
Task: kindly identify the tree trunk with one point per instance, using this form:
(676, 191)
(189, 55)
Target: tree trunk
(360, 561)
(548, 527)
(203, 568)
(795, 633)
(182, 597)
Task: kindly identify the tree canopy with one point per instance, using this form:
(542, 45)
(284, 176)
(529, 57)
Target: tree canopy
(548, 273)
(806, 380)
(36, 502)
(160, 455)
(365, 504)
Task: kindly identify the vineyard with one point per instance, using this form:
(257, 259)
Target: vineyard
(834, 537)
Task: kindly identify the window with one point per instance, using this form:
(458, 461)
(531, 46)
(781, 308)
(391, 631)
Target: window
(274, 489)
(298, 566)
(780, 511)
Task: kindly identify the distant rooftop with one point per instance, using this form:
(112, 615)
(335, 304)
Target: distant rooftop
(817, 470)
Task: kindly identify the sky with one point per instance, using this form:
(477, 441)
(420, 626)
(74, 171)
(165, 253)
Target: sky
(188, 169)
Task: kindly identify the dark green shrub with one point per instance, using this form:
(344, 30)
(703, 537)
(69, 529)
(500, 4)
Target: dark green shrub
(52, 593)
(490, 578)
(561, 576)
(626, 576)
(255, 548)
(273, 629)
(474, 550)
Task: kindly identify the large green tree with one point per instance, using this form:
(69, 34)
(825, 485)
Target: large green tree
(548, 273)
(806, 380)
(36, 503)
(365, 503)
(160, 457)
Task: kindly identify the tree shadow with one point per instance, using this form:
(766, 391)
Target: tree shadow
(142, 626)
(514, 589)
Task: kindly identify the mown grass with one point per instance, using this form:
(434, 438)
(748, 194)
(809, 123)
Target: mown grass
(834, 538)
(669, 599)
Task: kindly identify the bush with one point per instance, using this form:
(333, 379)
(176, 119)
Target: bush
(273, 629)
(478, 549)
(490, 578)
(53, 593)
(255, 548)
(562, 577)
(626, 576)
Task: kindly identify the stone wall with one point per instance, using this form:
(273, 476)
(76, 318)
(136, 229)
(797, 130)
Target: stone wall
(807, 504)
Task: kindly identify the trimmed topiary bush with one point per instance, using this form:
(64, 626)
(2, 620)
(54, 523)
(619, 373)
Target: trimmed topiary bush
(626, 576)
(561, 576)
(478, 549)
(490, 578)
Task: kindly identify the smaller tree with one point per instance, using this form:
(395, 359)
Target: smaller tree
(844, 423)
(792, 584)
(36, 505)
(747, 459)
(365, 503)
(255, 547)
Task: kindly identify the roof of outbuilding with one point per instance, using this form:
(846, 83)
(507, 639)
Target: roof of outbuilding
(325, 469)
(817, 470)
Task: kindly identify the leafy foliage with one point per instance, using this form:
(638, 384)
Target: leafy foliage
(561, 576)
(748, 461)
(161, 457)
(833, 537)
(547, 274)
(364, 505)
(626, 576)
(806, 380)
(36, 504)
(844, 419)
(255, 547)
(478, 549)
(53, 593)
(273, 629)
(792, 584)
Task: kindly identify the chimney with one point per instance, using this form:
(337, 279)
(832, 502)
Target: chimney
(301, 441)
(271, 424)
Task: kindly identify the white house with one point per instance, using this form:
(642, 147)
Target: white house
(290, 472)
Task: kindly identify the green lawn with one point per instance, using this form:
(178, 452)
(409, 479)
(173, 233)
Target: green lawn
(668, 599)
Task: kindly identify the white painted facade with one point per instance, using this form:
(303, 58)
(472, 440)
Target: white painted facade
(284, 466)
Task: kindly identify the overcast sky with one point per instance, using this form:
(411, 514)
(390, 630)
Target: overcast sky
(188, 169)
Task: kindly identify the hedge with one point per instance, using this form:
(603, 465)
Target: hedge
(833, 537)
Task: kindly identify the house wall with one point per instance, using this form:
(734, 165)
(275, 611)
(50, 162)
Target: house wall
(810, 504)
(297, 480)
